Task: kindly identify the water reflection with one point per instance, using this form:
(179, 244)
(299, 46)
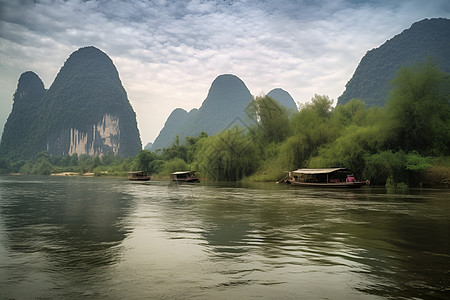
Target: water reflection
(64, 225)
(383, 240)
(110, 238)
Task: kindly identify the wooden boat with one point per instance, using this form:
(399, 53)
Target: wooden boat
(138, 176)
(184, 176)
(333, 177)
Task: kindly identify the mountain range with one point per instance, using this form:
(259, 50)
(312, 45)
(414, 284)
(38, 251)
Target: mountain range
(86, 109)
(223, 108)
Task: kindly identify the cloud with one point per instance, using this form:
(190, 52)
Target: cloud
(168, 52)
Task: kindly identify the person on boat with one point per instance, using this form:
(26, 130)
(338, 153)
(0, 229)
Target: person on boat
(351, 178)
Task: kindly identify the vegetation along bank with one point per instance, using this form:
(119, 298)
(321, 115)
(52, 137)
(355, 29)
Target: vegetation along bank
(406, 142)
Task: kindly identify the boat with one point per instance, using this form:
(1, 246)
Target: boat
(138, 176)
(332, 177)
(184, 176)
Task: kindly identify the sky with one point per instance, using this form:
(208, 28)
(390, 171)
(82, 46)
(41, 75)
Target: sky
(168, 52)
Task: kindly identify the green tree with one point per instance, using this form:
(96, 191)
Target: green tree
(353, 112)
(108, 158)
(95, 162)
(386, 166)
(230, 156)
(192, 146)
(4, 166)
(272, 120)
(74, 159)
(174, 165)
(419, 110)
(176, 150)
(321, 105)
(41, 164)
(145, 161)
(313, 128)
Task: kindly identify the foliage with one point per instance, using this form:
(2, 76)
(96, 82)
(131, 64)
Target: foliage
(5, 166)
(384, 165)
(415, 162)
(312, 128)
(230, 155)
(147, 161)
(272, 120)
(419, 110)
(174, 165)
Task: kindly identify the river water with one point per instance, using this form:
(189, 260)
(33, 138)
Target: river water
(106, 238)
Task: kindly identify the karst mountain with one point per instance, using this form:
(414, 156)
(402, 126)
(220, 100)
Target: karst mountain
(85, 111)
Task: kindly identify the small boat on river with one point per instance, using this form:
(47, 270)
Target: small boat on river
(333, 177)
(184, 176)
(138, 176)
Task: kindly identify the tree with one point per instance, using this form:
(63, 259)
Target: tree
(313, 128)
(353, 111)
(230, 155)
(419, 110)
(74, 159)
(4, 166)
(272, 120)
(321, 105)
(145, 161)
(95, 162)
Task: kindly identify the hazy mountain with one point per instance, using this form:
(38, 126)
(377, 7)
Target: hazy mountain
(85, 111)
(224, 105)
(172, 127)
(148, 146)
(24, 117)
(227, 99)
(284, 98)
(429, 38)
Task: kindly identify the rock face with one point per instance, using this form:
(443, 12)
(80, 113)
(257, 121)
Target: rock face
(225, 104)
(427, 39)
(24, 117)
(85, 111)
(284, 98)
(99, 139)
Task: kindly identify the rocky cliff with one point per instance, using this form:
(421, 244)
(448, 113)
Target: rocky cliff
(85, 111)
(427, 39)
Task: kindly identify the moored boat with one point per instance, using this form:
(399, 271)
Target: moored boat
(138, 176)
(184, 176)
(332, 177)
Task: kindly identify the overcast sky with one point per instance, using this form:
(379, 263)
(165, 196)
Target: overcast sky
(168, 52)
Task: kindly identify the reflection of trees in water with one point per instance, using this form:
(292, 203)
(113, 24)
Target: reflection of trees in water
(74, 222)
(389, 247)
(226, 226)
(406, 240)
(199, 209)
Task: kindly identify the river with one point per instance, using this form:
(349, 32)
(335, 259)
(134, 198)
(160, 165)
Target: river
(108, 238)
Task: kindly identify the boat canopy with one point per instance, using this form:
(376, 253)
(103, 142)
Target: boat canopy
(137, 172)
(182, 172)
(318, 171)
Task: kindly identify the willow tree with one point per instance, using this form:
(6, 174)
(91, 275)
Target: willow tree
(227, 156)
(312, 127)
(271, 118)
(419, 110)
